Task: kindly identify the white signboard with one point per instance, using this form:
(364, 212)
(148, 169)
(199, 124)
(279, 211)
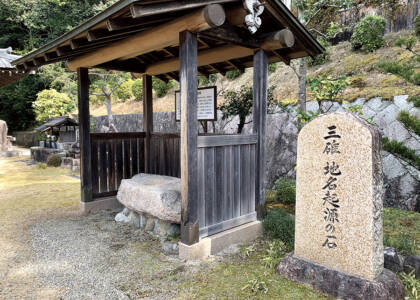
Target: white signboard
(206, 104)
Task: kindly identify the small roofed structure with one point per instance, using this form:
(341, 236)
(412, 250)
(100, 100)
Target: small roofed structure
(8, 73)
(222, 176)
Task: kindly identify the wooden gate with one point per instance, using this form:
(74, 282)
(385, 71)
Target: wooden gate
(226, 182)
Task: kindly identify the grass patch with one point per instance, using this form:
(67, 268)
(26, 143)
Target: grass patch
(248, 275)
(415, 100)
(410, 122)
(398, 149)
(402, 230)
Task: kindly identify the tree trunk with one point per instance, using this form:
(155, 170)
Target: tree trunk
(302, 85)
(107, 102)
(241, 124)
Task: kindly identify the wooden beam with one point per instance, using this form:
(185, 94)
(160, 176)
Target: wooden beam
(61, 51)
(259, 126)
(231, 34)
(140, 11)
(218, 69)
(160, 37)
(237, 66)
(189, 132)
(123, 24)
(39, 61)
(77, 43)
(277, 40)
(205, 58)
(283, 58)
(173, 76)
(132, 66)
(147, 118)
(84, 134)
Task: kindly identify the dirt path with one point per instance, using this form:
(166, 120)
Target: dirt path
(49, 251)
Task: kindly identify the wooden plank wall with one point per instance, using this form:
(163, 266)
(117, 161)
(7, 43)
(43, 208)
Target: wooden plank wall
(226, 181)
(164, 154)
(115, 156)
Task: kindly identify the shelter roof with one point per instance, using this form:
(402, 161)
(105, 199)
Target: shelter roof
(127, 20)
(8, 73)
(57, 122)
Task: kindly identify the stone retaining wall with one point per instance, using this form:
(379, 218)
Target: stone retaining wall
(402, 181)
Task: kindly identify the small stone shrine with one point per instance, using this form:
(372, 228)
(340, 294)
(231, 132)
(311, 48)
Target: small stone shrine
(338, 236)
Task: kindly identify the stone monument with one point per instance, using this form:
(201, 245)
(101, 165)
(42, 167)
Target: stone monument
(6, 149)
(338, 236)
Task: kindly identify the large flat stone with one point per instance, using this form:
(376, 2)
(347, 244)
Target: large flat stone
(159, 196)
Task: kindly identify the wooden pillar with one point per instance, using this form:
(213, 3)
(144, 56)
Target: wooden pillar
(84, 134)
(147, 118)
(259, 126)
(189, 132)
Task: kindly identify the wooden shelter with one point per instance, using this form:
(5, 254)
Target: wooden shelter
(8, 73)
(222, 176)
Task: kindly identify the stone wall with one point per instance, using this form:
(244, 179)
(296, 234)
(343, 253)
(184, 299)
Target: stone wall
(401, 180)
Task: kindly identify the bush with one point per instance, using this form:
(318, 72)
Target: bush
(368, 34)
(410, 122)
(54, 160)
(50, 104)
(124, 92)
(272, 68)
(278, 224)
(41, 166)
(398, 149)
(160, 87)
(417, 25)
(231, 75)
(393, 67)
(137, 89)
(415, 100)
(286, 191)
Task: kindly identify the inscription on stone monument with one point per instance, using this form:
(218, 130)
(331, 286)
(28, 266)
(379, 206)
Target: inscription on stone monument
(339, 195)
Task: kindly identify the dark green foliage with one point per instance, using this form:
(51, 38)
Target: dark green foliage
(240, 104)
(405, 71)
(410, 122)
(16, 102)
(322, 58)
(285, 191)
(137, 89)
(417, 25)
(278, 224)
(368, 34)
(231, 75)
(398, 149)
(272, 68)
(206, 81)
(160, 87)
(54, 160)
(415, 100)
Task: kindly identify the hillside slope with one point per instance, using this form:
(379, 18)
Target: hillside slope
(367, 81)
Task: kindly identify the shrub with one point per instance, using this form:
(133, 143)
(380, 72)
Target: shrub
(393, 67)
(286, 191)
(398, 149)
(206, 81)
(415, 100)
(41, 166)
(54, 160)
(278, 224)
(417, 25)
(160, 87)
(124, 92)
(272, 68)
(231, 75)
(50, 104)
(410, 122)
(137, 89)
(368, 34)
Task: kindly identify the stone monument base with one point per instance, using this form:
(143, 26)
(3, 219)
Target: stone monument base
(341, 285)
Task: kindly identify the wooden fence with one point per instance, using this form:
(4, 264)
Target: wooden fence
(226, 181)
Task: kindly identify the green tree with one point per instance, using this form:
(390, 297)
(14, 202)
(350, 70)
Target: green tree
(137, 89)
(50, 104)
(239, 103)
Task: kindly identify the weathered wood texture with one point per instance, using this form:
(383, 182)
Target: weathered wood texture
(115, 157)
(189, 132)
(165, 155)
(259, 126)
(84, 131)
(147, 116)
(226, 181)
